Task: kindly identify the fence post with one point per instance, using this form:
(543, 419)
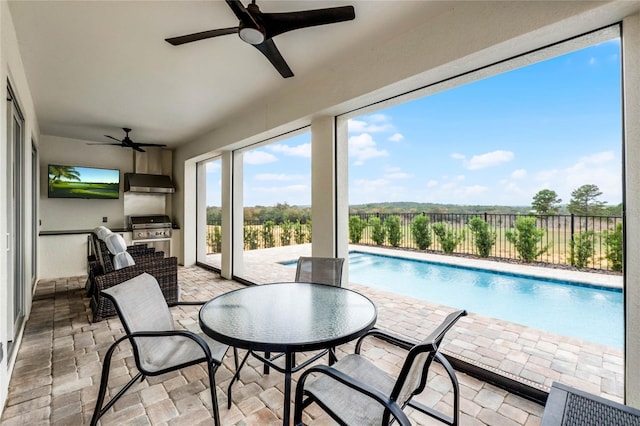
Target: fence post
(572, 225)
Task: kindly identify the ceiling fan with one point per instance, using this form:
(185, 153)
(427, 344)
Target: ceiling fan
(127, 142)
(259, 28)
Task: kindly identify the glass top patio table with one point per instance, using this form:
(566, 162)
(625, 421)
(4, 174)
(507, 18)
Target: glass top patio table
(288, 318)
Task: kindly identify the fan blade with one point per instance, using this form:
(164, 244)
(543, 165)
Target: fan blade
(137, 148)
(105, 143)
(278, 23)
(150, 144)
(239, 10)
(176, 41)
(269, 49)
(111, 137)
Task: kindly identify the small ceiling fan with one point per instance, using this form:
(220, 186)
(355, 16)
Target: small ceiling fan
(259, 28)
(127, 142)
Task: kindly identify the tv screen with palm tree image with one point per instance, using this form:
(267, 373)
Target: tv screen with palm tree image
(83, 182)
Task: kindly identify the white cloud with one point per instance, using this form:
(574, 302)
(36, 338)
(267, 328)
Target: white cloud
(490, 159)
(473, 190)
(258, 157)
(371, 124)
(457, 156)
(369, 189)
(282, 189)
(598, 169)
(213, 166)
(592, 61)
(397, 175)
(451, 190)
(396, 137)
(519, 174)
(546, 175)
(598, 158)
(303, 150)
(363, 147)
(278, 177)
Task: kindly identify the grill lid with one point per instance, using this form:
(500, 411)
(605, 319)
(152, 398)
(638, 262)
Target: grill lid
(153, 220)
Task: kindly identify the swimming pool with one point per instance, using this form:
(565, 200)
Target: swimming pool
(588, 313)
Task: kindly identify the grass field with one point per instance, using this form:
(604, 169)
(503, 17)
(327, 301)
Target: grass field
(84, 190)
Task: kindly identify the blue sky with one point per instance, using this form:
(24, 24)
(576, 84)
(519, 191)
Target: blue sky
(554, 125)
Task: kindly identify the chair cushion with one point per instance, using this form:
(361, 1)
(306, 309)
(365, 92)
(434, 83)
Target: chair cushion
(122, 260)
(351, 406)
(115, 243)
(102, 232)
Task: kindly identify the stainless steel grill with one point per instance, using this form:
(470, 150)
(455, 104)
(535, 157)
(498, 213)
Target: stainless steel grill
(150, 227)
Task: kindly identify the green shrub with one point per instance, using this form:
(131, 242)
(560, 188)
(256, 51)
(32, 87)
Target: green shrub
(582, 247)
(356, 226)
(483, 238)
(421, 232)
(526, 237)
(268, 239)
(308, 227)
(299, 234)
(394, 232)
(448, 237)
(286, 229)
(378, 231)
(613, 243)
(251, 237)
(214, 240)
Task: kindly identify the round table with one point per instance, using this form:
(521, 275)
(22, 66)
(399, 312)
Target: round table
(287, 318)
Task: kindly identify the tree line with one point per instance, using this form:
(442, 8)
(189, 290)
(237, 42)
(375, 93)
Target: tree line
(584, 202)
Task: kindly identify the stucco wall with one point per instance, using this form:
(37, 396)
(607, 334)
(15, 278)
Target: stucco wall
(12, 71)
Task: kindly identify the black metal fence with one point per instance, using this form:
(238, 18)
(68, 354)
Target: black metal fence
(558, 233)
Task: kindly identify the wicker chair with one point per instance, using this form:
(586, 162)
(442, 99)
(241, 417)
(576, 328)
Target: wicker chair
(355, 392)
(158, 347)
(164, 270)
(101, 261)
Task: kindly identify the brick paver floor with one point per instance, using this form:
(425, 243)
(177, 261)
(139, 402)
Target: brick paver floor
(56, 376)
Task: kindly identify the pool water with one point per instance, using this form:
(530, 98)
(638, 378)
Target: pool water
(586, 312)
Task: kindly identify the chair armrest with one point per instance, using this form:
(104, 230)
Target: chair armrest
(183, 333)
(394, 339)
(358, 386)
(188, 303)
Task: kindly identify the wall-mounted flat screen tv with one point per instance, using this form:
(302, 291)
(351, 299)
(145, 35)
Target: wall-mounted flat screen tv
(83, 182)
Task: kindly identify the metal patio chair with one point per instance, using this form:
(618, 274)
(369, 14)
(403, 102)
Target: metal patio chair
(320, 270)
(158, 347)
(355, 392)
(315, 270)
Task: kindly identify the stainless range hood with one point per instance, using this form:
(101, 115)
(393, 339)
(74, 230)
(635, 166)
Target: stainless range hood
(150, 169)
(143, 182)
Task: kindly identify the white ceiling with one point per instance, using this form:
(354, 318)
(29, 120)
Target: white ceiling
(96, 66)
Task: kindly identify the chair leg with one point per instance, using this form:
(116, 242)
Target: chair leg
(332, 355)
(99, 410)
(214, 398)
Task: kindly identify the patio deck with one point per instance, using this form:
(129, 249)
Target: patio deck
(56, 376)
(531, 356)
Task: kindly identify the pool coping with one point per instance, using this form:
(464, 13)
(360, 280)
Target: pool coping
(571, 276)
